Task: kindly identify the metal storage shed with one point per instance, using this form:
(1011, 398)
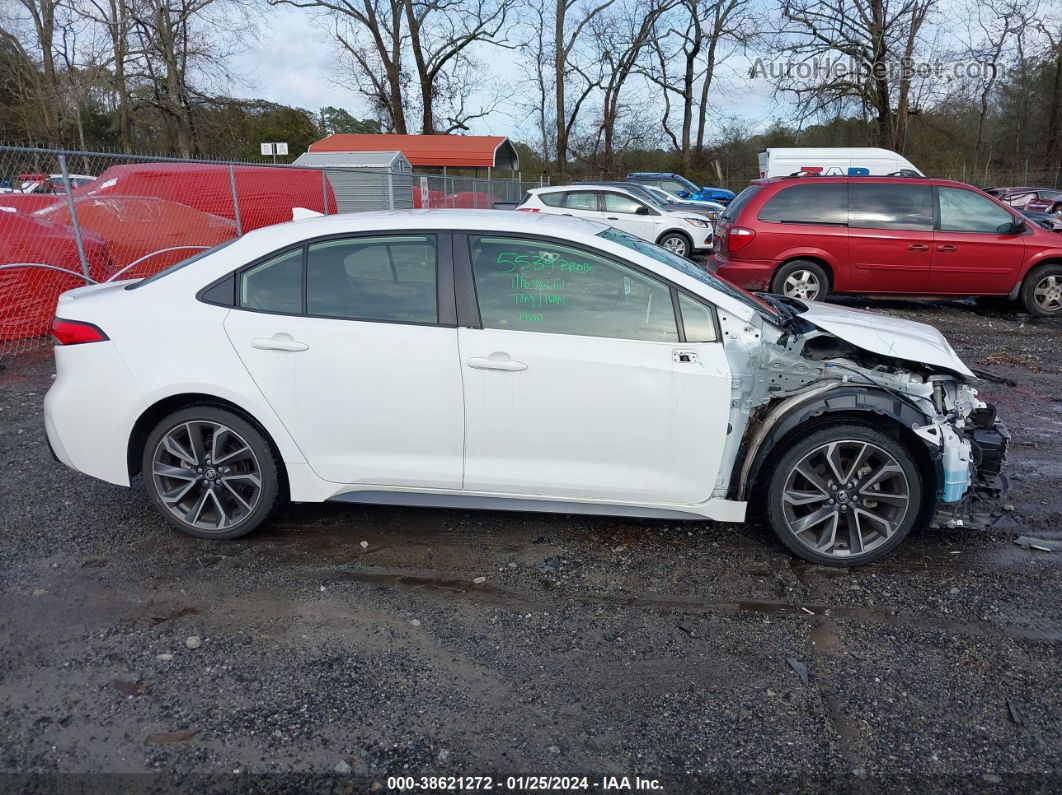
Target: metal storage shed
(365, 180)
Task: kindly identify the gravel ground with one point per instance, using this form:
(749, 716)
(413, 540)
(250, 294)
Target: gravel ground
(343, 645)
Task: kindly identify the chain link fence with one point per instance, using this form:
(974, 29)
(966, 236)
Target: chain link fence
(68, 219)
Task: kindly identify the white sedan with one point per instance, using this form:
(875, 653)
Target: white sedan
(496, 360)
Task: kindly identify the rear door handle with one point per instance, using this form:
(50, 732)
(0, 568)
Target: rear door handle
(613, 218)
(496, 362)
(947, 248)
(918, 247)
(279, 342)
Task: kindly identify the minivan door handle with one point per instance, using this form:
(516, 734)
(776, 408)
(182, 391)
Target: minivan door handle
(947, 248)
(279, 342)
(496, 361)
(918, 247)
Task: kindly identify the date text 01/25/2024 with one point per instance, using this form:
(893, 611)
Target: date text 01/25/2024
(523, 783)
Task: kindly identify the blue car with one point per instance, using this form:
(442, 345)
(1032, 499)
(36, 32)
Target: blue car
(678, 185)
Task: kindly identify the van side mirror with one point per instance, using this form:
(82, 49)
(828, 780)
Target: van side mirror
(642, 210)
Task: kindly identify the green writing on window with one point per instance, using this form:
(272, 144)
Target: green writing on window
(538, 281)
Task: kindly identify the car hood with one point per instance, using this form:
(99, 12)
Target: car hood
(886, 336)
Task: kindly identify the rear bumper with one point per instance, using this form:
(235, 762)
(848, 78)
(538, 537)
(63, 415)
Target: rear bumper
(750, 274)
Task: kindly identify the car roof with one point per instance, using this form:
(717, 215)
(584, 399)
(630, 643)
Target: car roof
(876, 178)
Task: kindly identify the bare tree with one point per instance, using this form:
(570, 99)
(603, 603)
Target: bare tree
(114, 17)
(42, 22)
(621, 34)
(696, 36)
(877, 37)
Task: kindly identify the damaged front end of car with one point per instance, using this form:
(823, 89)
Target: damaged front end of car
(820, 366)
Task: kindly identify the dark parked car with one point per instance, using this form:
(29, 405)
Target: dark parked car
(1046, 201)
(806, 237)
(678, 185)
(1046, 220)
(642, 192)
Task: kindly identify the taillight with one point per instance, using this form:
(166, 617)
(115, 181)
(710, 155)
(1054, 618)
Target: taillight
(738, 237)
(76, 332)
(527, 209)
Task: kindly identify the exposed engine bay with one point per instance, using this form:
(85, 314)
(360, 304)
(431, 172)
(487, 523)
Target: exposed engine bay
(797, 372)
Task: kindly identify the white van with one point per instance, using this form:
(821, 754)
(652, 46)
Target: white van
(851, 161)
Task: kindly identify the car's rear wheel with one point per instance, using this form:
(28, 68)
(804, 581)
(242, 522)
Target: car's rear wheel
(801, 279)
(844, 495)
(1041, 292)
(210, 473)
(676, 243)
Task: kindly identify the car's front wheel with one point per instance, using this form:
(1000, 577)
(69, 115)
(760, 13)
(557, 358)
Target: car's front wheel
(676, 243)
(844, 495)
(210, 473)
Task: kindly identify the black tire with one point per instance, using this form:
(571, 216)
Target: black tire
(1045, 278)
(677, 243)
(868, 517)
(234, 505)
(795, 269)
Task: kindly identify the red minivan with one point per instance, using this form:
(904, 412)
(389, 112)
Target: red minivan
(807, 237)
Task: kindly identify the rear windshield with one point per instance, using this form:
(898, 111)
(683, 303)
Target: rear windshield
(739, 202)
(182, 264)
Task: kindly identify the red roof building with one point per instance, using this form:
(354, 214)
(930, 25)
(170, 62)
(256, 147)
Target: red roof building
(430, 151)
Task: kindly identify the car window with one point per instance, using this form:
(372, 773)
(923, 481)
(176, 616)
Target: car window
(965, 211)
(697, 320)
(555, 199)
(808, 204)
(581, 200)
(274, 285)
(730, 212)
(388, 278)
(887, 206)
(672, 186)
(537, 285)
(618, 203)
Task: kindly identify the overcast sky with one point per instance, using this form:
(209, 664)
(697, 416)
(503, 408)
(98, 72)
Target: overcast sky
(293, 62)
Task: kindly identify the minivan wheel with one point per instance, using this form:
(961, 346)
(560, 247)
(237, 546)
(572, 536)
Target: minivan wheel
(844, 495)
(676, 243)
(801, 279)
(1041, 292)
(210, 473)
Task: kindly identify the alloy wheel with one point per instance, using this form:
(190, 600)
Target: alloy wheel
(845, 498)
(676, 245)
(1048, 294)
(206, 475)
(802, 284)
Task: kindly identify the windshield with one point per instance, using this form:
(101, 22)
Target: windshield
(685, 266)
(686, 183)
(178, 265)
(735, 206)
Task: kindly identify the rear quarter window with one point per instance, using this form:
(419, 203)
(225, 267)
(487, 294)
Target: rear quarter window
(808, 204)
(738, 204)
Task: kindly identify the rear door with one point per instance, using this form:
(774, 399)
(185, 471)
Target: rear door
(583, 204)
(580, 382)
(890, 236)
(973, 253)
(352, 341)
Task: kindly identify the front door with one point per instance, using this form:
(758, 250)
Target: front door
(360, 369)
(578, 384)
(622, 212)
(890, 237)
(974, 253)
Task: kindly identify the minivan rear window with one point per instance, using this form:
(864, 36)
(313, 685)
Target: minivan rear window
(808, 204)
(738, 204)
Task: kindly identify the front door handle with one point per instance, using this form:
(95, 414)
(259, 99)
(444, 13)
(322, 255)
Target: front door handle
(496, 361)
(948, 248)
(279, 342)
(918, 247)
(613, 218)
